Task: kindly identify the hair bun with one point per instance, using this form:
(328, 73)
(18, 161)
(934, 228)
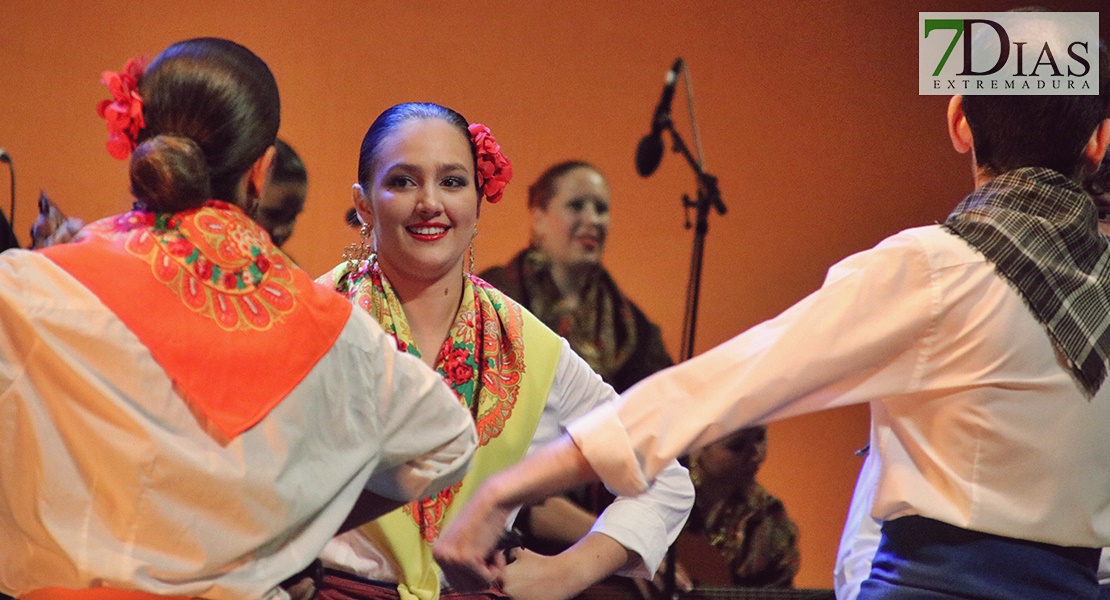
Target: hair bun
(170, 174)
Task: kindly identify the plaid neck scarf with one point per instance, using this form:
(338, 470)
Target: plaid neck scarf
(1040, 230)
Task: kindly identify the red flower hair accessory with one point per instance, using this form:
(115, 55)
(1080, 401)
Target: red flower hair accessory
(494, 170)
(124, 112)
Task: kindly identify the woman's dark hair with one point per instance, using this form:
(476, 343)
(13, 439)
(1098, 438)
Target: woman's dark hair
(288, 166)
(211, 109)
(396, 115)
(543, 189)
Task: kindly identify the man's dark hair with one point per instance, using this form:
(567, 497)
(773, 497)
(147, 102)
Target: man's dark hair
(1011, 132)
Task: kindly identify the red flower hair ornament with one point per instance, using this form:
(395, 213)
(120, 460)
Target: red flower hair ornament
(494, 170)
(124, 112)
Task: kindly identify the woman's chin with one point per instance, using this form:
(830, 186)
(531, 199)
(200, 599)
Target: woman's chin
(425, 269)
(587, 261)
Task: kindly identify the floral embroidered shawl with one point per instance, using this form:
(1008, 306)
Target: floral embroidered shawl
(214, 301)
(500, 361)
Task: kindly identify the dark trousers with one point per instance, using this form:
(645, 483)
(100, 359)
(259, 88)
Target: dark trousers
(925, 559)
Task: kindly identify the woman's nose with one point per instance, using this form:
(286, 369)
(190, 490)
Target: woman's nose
(593, 216)
(429, 202)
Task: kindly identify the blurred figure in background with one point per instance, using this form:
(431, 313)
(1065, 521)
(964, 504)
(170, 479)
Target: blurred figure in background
(741, 520)
(52, 226)
(282, 199)
(560, 278)
(7, 236)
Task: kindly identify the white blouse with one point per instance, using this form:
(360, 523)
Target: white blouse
(645, 523)
(108, 479)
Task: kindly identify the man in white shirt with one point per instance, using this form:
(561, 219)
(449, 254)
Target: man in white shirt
(861, 534)
(981, 345)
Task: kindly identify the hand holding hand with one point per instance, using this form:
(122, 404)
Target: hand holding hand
(465, 549)
(532, 576)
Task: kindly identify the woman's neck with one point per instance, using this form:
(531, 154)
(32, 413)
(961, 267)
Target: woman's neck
(430, 308)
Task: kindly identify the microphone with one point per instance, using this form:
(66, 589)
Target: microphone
(5, 157)
(649, 152)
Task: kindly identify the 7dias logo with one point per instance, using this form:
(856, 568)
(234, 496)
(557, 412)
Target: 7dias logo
(1011, 53)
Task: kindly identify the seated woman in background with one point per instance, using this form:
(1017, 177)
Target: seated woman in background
(423, 172)
(148, 444)
(559, 277)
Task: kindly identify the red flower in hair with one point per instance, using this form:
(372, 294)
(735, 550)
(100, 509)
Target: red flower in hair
(124, 112)
(494, 170)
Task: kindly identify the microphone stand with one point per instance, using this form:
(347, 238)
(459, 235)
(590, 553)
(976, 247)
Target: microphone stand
(708, 196)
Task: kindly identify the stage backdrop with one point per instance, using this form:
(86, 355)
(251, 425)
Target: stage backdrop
(808, 111)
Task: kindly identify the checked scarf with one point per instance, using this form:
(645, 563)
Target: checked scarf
(1040, 230)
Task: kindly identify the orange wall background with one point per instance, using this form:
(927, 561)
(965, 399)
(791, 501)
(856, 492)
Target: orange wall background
(808, 111)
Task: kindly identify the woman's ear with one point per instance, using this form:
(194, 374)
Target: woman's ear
(258, 176)
(538, 221)
(362, 205)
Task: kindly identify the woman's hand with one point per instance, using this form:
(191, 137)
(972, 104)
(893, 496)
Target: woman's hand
(465, 549)
(532, 576)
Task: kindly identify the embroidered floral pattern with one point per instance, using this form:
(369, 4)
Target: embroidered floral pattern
(482, 360)
(214, 259)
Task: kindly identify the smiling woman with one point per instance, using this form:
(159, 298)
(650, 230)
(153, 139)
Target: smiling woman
(422, 202)
(423, 172)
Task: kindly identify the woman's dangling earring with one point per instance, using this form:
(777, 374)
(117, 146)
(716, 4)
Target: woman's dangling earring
(356, 253)
(471, 250)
